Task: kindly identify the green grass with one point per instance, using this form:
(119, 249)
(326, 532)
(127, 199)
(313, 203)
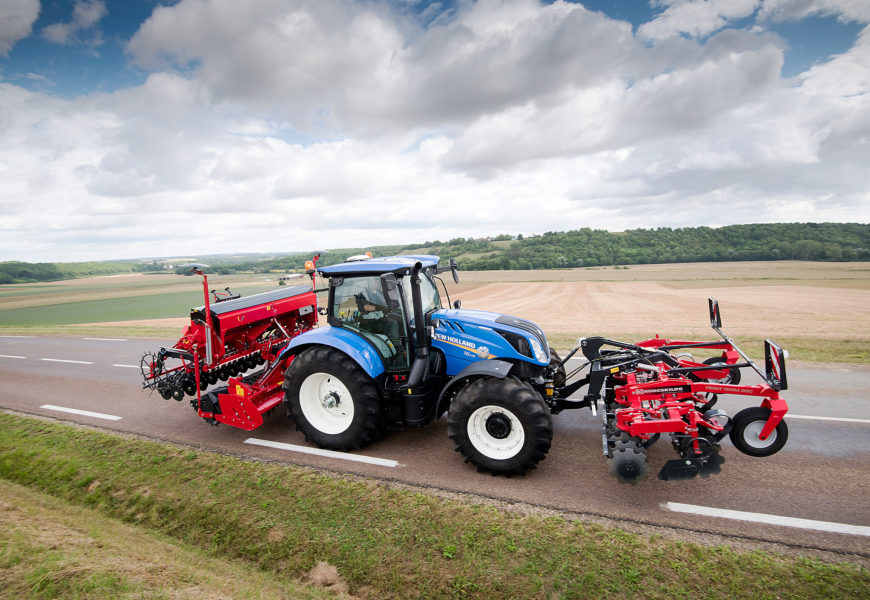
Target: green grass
(157, 306)
(386, 543)
(50, 548)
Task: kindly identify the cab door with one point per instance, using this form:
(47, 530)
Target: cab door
(368, 307)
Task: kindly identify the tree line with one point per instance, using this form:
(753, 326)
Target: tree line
(24, 272)
(769, 241)
(552, 250)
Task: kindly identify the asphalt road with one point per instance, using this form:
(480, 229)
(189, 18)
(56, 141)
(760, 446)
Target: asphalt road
(811, 495)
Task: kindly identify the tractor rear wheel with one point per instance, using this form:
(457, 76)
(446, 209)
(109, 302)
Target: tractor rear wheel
(333, 402)
(500, 425)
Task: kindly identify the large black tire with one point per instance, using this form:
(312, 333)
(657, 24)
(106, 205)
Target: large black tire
(500, 425)
(733, 376)
(332, 400)
(747, 425)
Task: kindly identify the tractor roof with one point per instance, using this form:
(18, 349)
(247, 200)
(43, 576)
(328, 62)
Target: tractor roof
(375, 266)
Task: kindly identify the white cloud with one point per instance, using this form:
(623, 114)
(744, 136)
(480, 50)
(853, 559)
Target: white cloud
(86, 14)
(794, 10)
(16, 22)
(291, 126)
(696, 18)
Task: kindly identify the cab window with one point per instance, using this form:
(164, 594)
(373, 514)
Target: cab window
(358, 304)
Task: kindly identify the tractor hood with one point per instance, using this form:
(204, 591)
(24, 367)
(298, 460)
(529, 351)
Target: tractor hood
(502, 336)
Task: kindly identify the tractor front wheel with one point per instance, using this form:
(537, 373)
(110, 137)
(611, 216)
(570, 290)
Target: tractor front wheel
(746, 431)
(332, 400)
(500, 425)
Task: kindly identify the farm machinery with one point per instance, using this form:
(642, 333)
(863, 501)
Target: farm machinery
(391, 356)
(645, 392)
(227, 337)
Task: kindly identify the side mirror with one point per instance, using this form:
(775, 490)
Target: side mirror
(715, 315)
(390, 286)
(457, 304)
(453, 269)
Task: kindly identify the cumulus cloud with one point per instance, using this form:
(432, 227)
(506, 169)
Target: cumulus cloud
(86, 14)
(16, 22)
(793, 10)
(282, 125)
(696, 18)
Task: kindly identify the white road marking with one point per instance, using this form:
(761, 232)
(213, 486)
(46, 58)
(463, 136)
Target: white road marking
(85, 413)
(61, 360)
(127, 366)
(812, 418)
(383, 462)
(11, 356)
(739, 515)
(105, 339)
(17, 336)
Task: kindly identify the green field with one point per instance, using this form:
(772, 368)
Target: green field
(274, 523)
(156, 306)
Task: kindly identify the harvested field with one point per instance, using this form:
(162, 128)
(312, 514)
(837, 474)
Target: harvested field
(799, 303)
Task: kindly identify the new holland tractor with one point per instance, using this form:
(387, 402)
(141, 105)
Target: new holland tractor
(391, 356)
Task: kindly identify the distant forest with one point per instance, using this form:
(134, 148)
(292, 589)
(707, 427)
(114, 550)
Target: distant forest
(552, 250)
(596, 247)
(23, 272)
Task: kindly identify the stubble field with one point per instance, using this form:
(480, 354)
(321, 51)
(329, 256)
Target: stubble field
(819, 311)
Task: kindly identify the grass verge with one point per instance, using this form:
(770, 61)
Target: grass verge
(385, 543)
(50, 548)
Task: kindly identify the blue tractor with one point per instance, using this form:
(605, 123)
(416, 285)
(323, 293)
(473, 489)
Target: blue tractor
(391, 356)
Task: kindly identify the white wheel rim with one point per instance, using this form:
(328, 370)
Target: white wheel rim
(326, 403)
(752, 433)
(493, 447)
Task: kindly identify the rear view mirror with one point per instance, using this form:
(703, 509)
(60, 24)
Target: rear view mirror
(452, 267)
(390, 287)
(715, 315)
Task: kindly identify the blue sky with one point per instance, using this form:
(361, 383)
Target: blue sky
(148, 127)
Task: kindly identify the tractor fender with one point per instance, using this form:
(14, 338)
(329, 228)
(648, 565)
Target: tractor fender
(363, 353)
(481, 368)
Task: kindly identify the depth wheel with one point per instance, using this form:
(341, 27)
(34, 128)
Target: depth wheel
(500, 425)
(745, 433)
(733, 376)
(333, 402)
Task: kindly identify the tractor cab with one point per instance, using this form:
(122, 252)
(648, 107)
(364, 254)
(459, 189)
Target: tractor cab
(374, 300)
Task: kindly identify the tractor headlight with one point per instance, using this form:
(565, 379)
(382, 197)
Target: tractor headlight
(540, 355)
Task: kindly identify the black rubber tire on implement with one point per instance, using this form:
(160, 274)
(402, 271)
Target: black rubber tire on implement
(322, 374)
(747, 424)
(733, 377)
(500, 425)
